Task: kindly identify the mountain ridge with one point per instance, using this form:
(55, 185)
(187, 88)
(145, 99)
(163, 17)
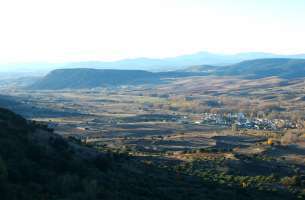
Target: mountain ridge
(86, 77)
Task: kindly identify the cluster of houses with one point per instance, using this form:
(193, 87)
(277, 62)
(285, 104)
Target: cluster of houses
(239, 120)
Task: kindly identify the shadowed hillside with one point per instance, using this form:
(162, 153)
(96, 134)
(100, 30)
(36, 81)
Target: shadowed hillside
(37, 164)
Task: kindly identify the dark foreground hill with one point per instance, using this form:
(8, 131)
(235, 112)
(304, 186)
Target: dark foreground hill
(37, 164)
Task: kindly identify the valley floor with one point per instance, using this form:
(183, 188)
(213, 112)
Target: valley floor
(196, 127)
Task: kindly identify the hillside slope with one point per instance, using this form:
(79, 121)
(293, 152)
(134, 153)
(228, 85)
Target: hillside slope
(37, 164)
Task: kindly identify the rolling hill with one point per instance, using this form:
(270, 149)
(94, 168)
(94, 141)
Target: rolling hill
(259, 68)
(281, 67)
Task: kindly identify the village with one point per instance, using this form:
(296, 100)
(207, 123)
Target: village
(240, 121)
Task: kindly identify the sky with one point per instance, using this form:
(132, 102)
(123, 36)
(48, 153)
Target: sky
(77, 30)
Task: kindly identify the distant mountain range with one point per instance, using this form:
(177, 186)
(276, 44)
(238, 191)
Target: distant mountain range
(91, 78)
(149, 64)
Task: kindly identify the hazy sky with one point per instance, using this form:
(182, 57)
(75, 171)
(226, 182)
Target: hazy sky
(72, 30)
